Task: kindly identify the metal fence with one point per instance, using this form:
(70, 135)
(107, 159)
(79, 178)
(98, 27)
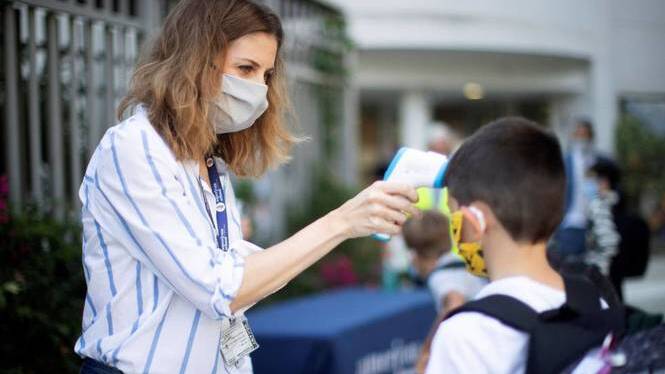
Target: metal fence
(66, 64)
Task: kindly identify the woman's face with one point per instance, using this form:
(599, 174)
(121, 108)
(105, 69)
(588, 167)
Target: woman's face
(250, 57)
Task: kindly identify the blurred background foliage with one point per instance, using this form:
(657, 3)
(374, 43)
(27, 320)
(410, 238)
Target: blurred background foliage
(641, 153)
(41, 294)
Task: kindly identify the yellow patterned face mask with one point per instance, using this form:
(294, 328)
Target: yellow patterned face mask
(471, 253)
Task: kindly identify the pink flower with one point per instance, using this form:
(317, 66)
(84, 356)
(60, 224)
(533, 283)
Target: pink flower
(339, 272)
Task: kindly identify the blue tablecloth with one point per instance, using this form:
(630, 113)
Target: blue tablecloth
(355, 330)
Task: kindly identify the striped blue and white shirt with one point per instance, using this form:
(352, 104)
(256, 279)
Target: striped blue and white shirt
(159, 289)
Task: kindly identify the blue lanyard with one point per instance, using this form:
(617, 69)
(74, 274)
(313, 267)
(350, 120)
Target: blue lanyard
(220, 205)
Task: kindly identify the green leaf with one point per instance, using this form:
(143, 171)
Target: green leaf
(12, 287)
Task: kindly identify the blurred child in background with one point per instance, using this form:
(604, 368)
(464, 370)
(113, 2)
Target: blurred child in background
(632, 256)
(437, 267)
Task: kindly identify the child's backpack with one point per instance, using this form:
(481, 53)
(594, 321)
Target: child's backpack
(642, 352)
(557, 337)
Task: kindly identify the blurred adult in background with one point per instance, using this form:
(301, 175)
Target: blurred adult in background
(571, 235)
(632, 256)
(444, 140)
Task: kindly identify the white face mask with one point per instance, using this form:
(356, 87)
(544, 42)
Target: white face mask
(239, 105)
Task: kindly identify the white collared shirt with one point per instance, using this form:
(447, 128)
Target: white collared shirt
(159, 289)
(475, 343)
(472, 342)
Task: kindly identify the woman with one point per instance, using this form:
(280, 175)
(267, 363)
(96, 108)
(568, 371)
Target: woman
(168, 273)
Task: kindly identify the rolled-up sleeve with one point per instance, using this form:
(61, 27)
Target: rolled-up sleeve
(137, 185)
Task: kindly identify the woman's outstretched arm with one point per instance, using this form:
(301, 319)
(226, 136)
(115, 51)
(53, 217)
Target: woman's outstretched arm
(380, 208)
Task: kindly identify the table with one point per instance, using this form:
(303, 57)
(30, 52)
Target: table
(353, 330)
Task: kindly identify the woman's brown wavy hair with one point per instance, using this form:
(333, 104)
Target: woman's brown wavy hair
(175, 81)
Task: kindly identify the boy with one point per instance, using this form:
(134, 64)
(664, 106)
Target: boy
(634, 234)
(506, 186)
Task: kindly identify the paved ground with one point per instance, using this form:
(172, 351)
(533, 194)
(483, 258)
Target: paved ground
(648, 293)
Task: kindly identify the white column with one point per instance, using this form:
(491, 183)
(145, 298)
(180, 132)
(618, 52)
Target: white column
(151, 13)
(603, 93)
(414, 116)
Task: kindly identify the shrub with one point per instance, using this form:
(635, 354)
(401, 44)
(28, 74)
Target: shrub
(41, 294)
(640, 152)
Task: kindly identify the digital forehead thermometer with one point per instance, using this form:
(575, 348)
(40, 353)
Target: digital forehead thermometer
(416, 168)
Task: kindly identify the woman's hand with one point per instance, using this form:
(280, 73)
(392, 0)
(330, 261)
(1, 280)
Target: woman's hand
(380, 208)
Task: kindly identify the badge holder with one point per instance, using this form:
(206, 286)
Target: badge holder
(237, 342)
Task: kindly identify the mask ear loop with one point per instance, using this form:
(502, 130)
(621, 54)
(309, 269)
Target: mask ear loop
(479, 222)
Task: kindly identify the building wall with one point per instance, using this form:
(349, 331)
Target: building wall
(638, 46)
(510, 25)
(585, 55)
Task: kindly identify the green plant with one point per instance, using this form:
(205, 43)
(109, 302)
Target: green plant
(41, 294)
(641, 153)
(244, 192)
(328, 56)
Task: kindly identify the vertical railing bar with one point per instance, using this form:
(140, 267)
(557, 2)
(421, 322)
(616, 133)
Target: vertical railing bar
(122, 59)
(110, 80)
(124, 8)
(34, 113)
(74, 125)
(92, 116)
(56, 156)
(11, 107)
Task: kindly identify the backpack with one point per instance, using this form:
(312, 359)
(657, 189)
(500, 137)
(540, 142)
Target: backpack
(634, 247)
(641, 352)
(557, 337)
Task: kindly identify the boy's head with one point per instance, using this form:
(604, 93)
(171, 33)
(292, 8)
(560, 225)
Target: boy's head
(606, 173)
(427, 235)
(513, 168)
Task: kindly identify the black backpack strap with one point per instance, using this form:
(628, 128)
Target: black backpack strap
(506, 309)
(582, 296)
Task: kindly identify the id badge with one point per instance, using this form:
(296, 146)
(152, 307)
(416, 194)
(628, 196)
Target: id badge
(237, 342)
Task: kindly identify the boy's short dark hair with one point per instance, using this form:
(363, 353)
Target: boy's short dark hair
(427, 235)
(609, 170)
(515, 167)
